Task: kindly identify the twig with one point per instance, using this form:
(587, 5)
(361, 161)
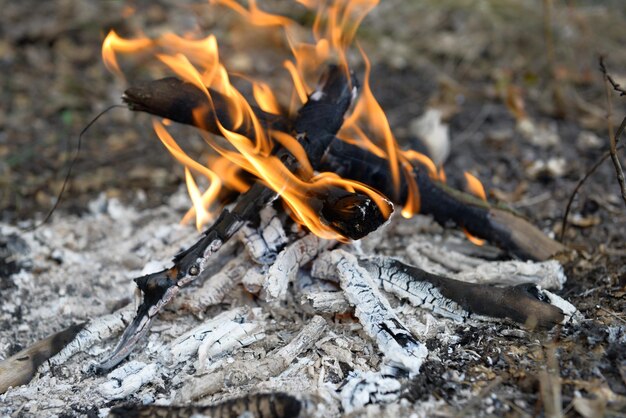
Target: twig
(608, 83)
(582, 181)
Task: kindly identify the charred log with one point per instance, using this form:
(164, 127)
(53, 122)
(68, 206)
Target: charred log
(497, 225)
(272, 405)
(20, 368)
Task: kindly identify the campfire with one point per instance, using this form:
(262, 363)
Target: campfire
(309, 180)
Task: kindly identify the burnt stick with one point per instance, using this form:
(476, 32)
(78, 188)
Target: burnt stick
(326, 107)
(525, 303)
(497, 225)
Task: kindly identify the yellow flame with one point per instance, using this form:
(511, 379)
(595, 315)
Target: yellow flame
(475, 186)
(197, 61)
(114, 44)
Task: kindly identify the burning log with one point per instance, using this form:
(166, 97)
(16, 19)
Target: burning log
(318, 121)
(496, 224)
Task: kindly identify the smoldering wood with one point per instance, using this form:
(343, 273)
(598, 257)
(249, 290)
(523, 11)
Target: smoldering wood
(244, 373)
(496, 224)
(525, 303)
(20, 368)
(400, 348)
(269, 405)
(289, 260)
(317, 123)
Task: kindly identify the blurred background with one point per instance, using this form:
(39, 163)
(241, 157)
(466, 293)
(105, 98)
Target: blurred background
(517, 83)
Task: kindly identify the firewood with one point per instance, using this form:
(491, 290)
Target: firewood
(318, 121)
(496, 224)
(271, 405)
(20, 368)
(525, 303)
(401, 349)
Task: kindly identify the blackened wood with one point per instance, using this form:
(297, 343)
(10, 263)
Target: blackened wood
(270, 405)
(185, 103)
(497, 225)
(522, 303)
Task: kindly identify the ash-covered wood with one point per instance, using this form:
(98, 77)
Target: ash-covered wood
(525, 303)
(400, 348)
(294, 256)
(245, 373)
(369, 388)
(269, 405)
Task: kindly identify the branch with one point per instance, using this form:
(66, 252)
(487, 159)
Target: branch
(613, 138)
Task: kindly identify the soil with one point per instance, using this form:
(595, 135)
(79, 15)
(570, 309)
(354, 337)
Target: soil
(488, 66)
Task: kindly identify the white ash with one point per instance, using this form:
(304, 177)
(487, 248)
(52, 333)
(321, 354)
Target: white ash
(367, 388)
(82, 270)
(326, 302)
(97, 330)
(421, 294)
(183, 347)
(264, 243)
(245, 372)
(216, 287)
(127, 379)
(438, 259)
(572, 315)
(289, 260)
(400, 347)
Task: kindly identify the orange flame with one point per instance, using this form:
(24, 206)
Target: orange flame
(476, 188)
(197, 61)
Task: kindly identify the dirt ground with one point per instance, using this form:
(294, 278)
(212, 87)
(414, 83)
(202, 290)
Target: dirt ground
(517, 81)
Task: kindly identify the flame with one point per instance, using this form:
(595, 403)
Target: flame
(197, 61)
(476, 188)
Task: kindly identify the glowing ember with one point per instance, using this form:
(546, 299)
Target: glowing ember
(196, 61)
